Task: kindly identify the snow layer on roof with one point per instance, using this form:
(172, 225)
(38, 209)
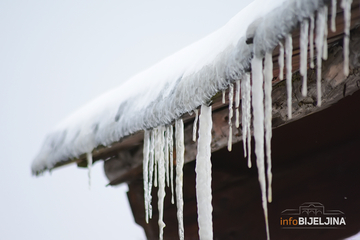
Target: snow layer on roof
(161, 94)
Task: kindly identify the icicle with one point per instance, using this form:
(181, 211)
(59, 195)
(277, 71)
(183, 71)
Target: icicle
(231, 99)
(268, 75)
(171, 152)
(312, 27)
(246, 116)
(161, 172)
(237, 103)
(304, 32)
(179, 138)
(166, 146)
(319, 41)
(223, 96)
(333, 15)
(281, 61)
(346, 5)
(89, 165)
(288, 51)
(195, 124)
(203, 175)
(325, 46)
(151, 169)
(146, 172)
(258, 122)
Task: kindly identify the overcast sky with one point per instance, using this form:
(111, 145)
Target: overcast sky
(54, 58)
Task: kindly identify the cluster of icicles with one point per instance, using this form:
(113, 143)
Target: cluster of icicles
(159, 142)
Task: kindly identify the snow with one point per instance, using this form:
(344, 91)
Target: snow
(158, 95)
(179, 140)
(304, 34)
(195, 124)
(258, 122)
(203, 175)
(288, 52)
(231, 99)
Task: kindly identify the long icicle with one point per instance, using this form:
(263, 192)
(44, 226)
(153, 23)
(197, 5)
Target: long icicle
(288, 52)
(311, 37)
(231, 99)
(223, 96)
(237, 103)
(89, 165)
(246, 116)
(195, 124)
(333, 15)
(268, 75)
(161, 177)
(151, 169)
(325, 45)
(146, 172)
(281, 61)
(166, 149)
(346, 5)
(319, 41)
(304, 34)
(203, 175)
(258, 112)
(171, 152)
(179, 138)
(156, 155)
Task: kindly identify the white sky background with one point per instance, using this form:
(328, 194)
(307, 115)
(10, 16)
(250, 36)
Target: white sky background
(56, 57)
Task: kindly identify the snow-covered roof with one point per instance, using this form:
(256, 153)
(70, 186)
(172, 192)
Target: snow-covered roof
(160, 94)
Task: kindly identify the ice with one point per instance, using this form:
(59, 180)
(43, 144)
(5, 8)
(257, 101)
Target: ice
(311, 37)
(89, 165)
(288, 52)
(223, 96)
(258, 123)
(161, 173)
(166, 149)
(179, 140)
(171, 152)
(195, 124)
(146, 150)
(237, 103)
(231, 99)
(346, 5)
(203, 175)
(304, 34)
(268, 76)
(325, 45)
(151, 168)
(319, 41)
(281, 61)
(246, 116)
(333, 15)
